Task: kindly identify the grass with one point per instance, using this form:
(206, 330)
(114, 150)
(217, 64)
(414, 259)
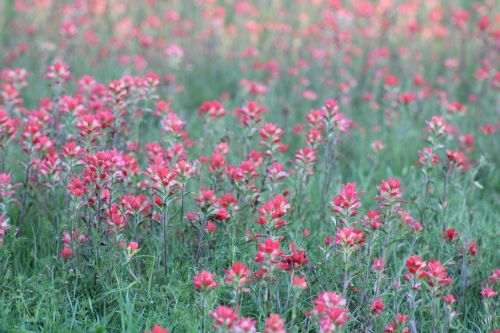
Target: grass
(100, 290)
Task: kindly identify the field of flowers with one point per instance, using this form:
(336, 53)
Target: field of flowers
(249, 166)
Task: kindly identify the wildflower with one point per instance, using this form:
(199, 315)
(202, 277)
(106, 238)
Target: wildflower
(295, 260)
(8, 128)
(249, 115)
(450, 234)
(346, 203)
(245, 325)
(239, 275)
(224, 318)
(134, 204)
(214, 109)
(299, 282)
(483, 23)
(372, 219)
(378, 264)
(488, 292)
(205, 281)
(449, 299)
(349, 237)
(58, 72)
(157, 329)
(495, 276)
(305, 159)
(377, 145)
(272, 211)
(436, 274)
(274, 324)
(427, 157)
(415, 265)
(471, 248)
(377, 306)
(437, 126)
(389, 190)
(458, 158)
(6, 188)
(488, 129)
(4, 226)
(329, 311)
(405, 217)
(132, 249)
(268, 252)
(270, 134)
(66, 253)
(407, 98)
(398, 325)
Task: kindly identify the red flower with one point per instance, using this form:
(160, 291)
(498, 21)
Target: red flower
(349, 237)
(224, 318)
(437, 126)
(329, 309)
(205, 281)
(436, 274)
(305, 159)
(157, 329)
(66, 253)
(245, 325)
(483, 23)
(488, 292)
(458, 158)
(268, 252)
(415, 264)
(58, 72)
(206, 198)
(272, 211)
(76, 187)
(377, 306)
(250, 114)
(407, 98)
(390, 188)
(274, 324)
(135, 204)
(450, 234)
(378, 264)
(295, 260)
(299, 282)
(471, 248)
(270, 133)
(346, 202)
(372, 219)
(427, 157)
(495, 276)
(214, 109)
(239, 274)
(449, 299)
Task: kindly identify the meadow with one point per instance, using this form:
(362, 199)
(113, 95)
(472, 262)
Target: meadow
(249, 166)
